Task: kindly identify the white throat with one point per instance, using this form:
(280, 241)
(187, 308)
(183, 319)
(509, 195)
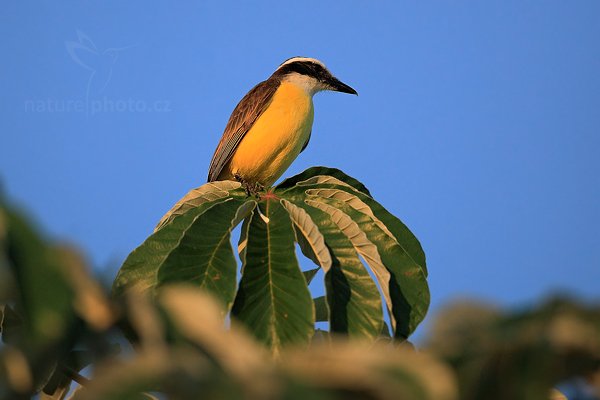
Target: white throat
(309, 84)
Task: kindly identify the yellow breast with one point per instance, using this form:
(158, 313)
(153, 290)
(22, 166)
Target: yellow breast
(276, 138)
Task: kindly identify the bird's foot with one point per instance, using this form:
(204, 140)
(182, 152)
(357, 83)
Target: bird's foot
(251, 188)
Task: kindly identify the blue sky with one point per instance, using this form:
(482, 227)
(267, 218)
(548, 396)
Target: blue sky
(477, 123)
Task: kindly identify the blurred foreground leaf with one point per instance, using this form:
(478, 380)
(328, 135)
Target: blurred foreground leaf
(521, 355)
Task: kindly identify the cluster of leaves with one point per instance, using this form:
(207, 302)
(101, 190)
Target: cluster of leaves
(520, 355)
(335, 222)
(162, 337)
(56, 320)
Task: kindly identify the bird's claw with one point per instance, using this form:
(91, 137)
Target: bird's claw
(251, 188)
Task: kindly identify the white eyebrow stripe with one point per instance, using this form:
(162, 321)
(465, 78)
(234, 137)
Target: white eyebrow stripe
(296, 59)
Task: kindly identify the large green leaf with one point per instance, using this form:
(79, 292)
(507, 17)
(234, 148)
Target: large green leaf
(140, 269)
(309, 238)
(206, 193)
(400, 268)
(399, 276)
(204, 256)
(273, 299)
(352, 296)
(405, 238)
(366, 204)
(328, 174)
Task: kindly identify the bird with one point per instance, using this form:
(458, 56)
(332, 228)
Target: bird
(272, 124)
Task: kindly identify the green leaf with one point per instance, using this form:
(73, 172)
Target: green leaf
(405, 238)
(326, 173)
(60, 382)
(243, 241)
(140, 269)
(196, 316)
(367, 205)
(309, 238)
(359, 370)
(310, 274)
(177, 373)
(12, 325)
(353, 298)
(385, 330)
(206, 193)
(402, 281)
(204, 256)
(89, 301)
(410, 310)
(532, 349)
(273, 300)
(321, 309)
(45, 295)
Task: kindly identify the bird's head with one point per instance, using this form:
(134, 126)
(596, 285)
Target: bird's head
(310, 74)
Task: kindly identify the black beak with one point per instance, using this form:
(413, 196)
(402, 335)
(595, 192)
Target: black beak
(338, 86)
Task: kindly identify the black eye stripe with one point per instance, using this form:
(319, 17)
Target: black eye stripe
(308, 68)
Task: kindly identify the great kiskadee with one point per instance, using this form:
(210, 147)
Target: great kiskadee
(272, 124)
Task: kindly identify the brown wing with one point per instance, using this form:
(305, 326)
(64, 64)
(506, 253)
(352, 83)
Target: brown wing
(306, 143)
(242, 118)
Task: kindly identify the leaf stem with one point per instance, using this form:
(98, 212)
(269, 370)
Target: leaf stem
(76, 376)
